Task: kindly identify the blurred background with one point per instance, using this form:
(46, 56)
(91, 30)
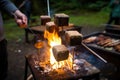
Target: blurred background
(82, 12)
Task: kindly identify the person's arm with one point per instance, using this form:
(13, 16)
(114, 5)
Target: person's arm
(8, 6)
(20, 19)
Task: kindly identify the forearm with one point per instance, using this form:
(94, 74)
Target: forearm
(17, 14)
(8, 6)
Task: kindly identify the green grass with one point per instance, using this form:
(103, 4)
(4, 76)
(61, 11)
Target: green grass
(88, 18)
(12, 31)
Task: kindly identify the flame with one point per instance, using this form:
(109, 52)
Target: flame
(54, 39)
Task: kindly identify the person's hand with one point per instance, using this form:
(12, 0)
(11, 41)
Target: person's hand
(20, 19)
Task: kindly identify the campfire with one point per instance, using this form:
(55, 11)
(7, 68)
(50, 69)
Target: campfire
(53, 39)
(55, 55)
(59, 53)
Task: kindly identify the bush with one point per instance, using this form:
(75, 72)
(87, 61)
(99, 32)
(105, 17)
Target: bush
(97, 6)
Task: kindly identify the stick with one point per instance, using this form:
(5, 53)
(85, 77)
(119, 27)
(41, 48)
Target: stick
(73, 57)
(32, 32)
(117, 26)
(94, 53)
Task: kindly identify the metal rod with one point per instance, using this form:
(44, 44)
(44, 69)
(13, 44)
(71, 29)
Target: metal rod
(114, 25)
(73, 57)
(48, 7)
(32, 32)
(94, 53)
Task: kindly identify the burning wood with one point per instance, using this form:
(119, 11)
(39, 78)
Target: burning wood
(53, 40)
(58, 61)
(60, 52)
(50, 26)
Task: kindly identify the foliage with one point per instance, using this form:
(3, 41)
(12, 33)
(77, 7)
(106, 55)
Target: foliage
(61, 5)
(39, 7)
(97, 6)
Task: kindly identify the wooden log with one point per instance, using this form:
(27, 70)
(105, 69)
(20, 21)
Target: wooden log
(61, 19)
(50, 26)
(44, 19)
(60, 52)
(73, 38)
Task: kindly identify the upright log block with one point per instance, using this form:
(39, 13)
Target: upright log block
(73, 38)
(50, 26)
(60, 52)
(44, 19)
(61, 19)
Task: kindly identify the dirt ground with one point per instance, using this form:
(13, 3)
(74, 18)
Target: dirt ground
(16, 59)
(18, 49)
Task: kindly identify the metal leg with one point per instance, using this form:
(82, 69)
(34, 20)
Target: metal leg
(97, 77)
(26, 70)
(26, 36)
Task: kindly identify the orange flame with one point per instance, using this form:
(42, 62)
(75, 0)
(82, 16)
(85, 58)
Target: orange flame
(54, 39)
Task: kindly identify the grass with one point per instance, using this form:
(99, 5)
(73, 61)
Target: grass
(12, 31)
(92, 19)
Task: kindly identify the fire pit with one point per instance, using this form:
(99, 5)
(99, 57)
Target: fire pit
(81, 68)
(44, 66)
(58, 61)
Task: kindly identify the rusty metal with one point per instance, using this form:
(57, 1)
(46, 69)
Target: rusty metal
(94, 53)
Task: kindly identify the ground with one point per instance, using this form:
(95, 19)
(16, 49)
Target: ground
(16, 58)
(18, 49)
